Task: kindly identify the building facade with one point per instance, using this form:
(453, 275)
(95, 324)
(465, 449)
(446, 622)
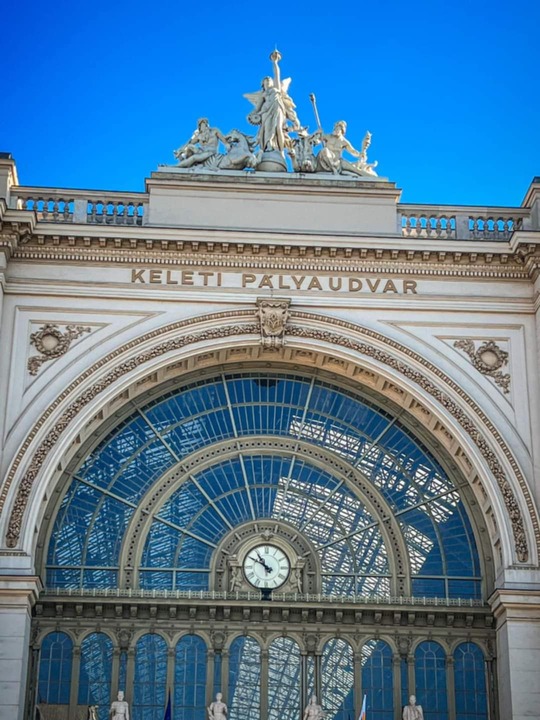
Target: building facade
(268, 434)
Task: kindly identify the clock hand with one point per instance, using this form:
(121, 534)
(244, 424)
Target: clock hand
(266, 567)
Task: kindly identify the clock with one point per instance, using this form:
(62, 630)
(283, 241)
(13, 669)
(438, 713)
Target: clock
(266, 567)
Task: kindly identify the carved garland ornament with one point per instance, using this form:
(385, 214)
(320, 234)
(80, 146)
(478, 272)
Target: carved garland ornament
(488, 359)
(25, 487)
(51, 342)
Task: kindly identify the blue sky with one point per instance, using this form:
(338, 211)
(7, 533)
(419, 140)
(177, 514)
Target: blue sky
(96, 95)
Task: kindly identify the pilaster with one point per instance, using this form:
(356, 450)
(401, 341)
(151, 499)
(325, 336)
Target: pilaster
(517, 614)
(17, 596)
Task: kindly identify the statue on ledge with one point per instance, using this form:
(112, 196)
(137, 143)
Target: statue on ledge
(119, 709)
(313, 710)
(201, 146)
(273, 108)
(217, 710)
(412, 711)
(330, 157)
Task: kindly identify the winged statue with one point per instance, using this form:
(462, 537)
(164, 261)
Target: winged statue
(273, 109)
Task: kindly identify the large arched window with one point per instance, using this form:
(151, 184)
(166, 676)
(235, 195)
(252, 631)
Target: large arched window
(337, 681)
(54, 680)
(470, 683)
(95, 673)
(244, 694)
(182, 529)
(430, 674)
(150, 688)
(283, 679)
(190, 678)
(378, 679)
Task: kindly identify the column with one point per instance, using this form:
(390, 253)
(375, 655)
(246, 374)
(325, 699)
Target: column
(450, 687)
(210, 690)
(75, 674)
(225, 674)
(17, 596)
(396, 675)
(517, 613)
(264, 683)
(115, 673)
(130, 676)
(358, 697)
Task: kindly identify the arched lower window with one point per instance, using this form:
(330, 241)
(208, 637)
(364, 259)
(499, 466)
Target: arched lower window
(54, 684)
(244, 696)
(470, 682)
(190, 678)
(337, 680)
(150, 688)
(430, 674)
(283, 680)
(95, 673)
(378, 679)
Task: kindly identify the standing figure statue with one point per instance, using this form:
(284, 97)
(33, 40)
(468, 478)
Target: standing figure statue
(273, 108)
(313, 710)
(92, 712)
(119, 709)
(412, 711)
(217, 710)
(201, 146)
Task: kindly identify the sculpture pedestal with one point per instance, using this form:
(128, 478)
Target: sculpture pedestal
(272, 161)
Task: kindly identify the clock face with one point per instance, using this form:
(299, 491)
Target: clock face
(266, 567)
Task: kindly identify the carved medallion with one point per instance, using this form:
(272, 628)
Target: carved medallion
(273, 316)
(51, 343)
(488, 359)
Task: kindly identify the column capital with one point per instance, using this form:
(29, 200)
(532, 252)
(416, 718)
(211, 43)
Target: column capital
(515, 604)
(19, 589)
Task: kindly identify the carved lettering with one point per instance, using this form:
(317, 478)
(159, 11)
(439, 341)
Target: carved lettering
(373, 285)
(187, 277)
(334, 284)
(410, 286)
(137, 276)
(266, 282)
(355, 284)
(298, 281)
(314, 283)
(389, 287)
(248, 279)
(169, 280)
(205, 274)
(155, 276)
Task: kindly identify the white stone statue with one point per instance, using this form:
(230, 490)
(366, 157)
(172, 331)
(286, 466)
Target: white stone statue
(273, 108)
(119, 709)
(313, 710)
(92, 712)
(330, 157)
(202, 145)
(301, 152)
(217, 710)
(240, 154)
(412, 711)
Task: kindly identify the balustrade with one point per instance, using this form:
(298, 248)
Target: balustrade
(115, 212)
(428, 226)
(49, 209)
(460, 223)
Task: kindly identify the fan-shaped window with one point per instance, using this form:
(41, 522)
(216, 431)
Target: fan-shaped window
(134, 459)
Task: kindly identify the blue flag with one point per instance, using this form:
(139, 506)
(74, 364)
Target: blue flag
(168, 712)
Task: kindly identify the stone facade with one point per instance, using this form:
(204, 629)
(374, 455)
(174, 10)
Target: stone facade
(432, 311)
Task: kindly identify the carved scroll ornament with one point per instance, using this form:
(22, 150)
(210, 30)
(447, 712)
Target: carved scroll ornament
(52, 343)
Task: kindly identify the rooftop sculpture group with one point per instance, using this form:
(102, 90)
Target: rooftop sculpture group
(279, 132)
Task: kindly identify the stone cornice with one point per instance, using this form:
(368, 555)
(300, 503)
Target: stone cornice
(520, 260)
